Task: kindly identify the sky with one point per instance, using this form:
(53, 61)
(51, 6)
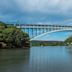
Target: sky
(55, 36)
(36, 12)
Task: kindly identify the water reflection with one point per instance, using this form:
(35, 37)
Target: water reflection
(50, 59)
(37, 59)
(15, 60)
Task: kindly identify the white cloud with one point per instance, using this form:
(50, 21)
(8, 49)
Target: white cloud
(8, 7)
(43, 6)
(58, 6)
(38, 11)
(5, 4)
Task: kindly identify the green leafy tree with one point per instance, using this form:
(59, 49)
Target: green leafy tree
(13, 37)
(69, 40)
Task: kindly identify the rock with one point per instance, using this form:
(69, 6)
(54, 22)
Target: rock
(3, 45)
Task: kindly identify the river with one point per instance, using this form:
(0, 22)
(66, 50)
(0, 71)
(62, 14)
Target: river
(37, 59)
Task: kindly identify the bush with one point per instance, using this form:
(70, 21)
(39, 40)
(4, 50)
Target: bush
(13, 37)
(68, 40)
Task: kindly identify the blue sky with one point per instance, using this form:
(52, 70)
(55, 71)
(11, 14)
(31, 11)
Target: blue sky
(36, 12)
(56, 36)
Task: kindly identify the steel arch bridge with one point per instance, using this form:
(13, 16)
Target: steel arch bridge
(37, 30)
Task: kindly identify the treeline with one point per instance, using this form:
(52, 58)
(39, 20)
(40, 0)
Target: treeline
(12, 37)
(47, 43)
(68, 41)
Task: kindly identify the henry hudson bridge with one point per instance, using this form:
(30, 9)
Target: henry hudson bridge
(38, 30)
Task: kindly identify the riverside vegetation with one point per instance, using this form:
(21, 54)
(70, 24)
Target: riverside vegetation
(12, 37)
(47, 43)
(53, 43)
(68, 40)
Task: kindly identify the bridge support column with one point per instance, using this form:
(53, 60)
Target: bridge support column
(47, 29)
(39, 31)
(42, 30)
(32, 32)
(28, 31)
(36, 31)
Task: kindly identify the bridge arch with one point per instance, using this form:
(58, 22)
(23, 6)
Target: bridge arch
(50, 32)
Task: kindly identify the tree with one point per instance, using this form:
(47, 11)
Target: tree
(2, 25)
(13, 37)
(68, 40)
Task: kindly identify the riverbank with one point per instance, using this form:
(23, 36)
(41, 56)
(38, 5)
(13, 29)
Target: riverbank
(12, 37)
(47, 43)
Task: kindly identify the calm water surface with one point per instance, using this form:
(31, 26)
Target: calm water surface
(37, 59)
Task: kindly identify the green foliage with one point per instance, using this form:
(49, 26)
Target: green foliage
(68, 40)
(13, 37)
(47, 43)
(2, 25)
